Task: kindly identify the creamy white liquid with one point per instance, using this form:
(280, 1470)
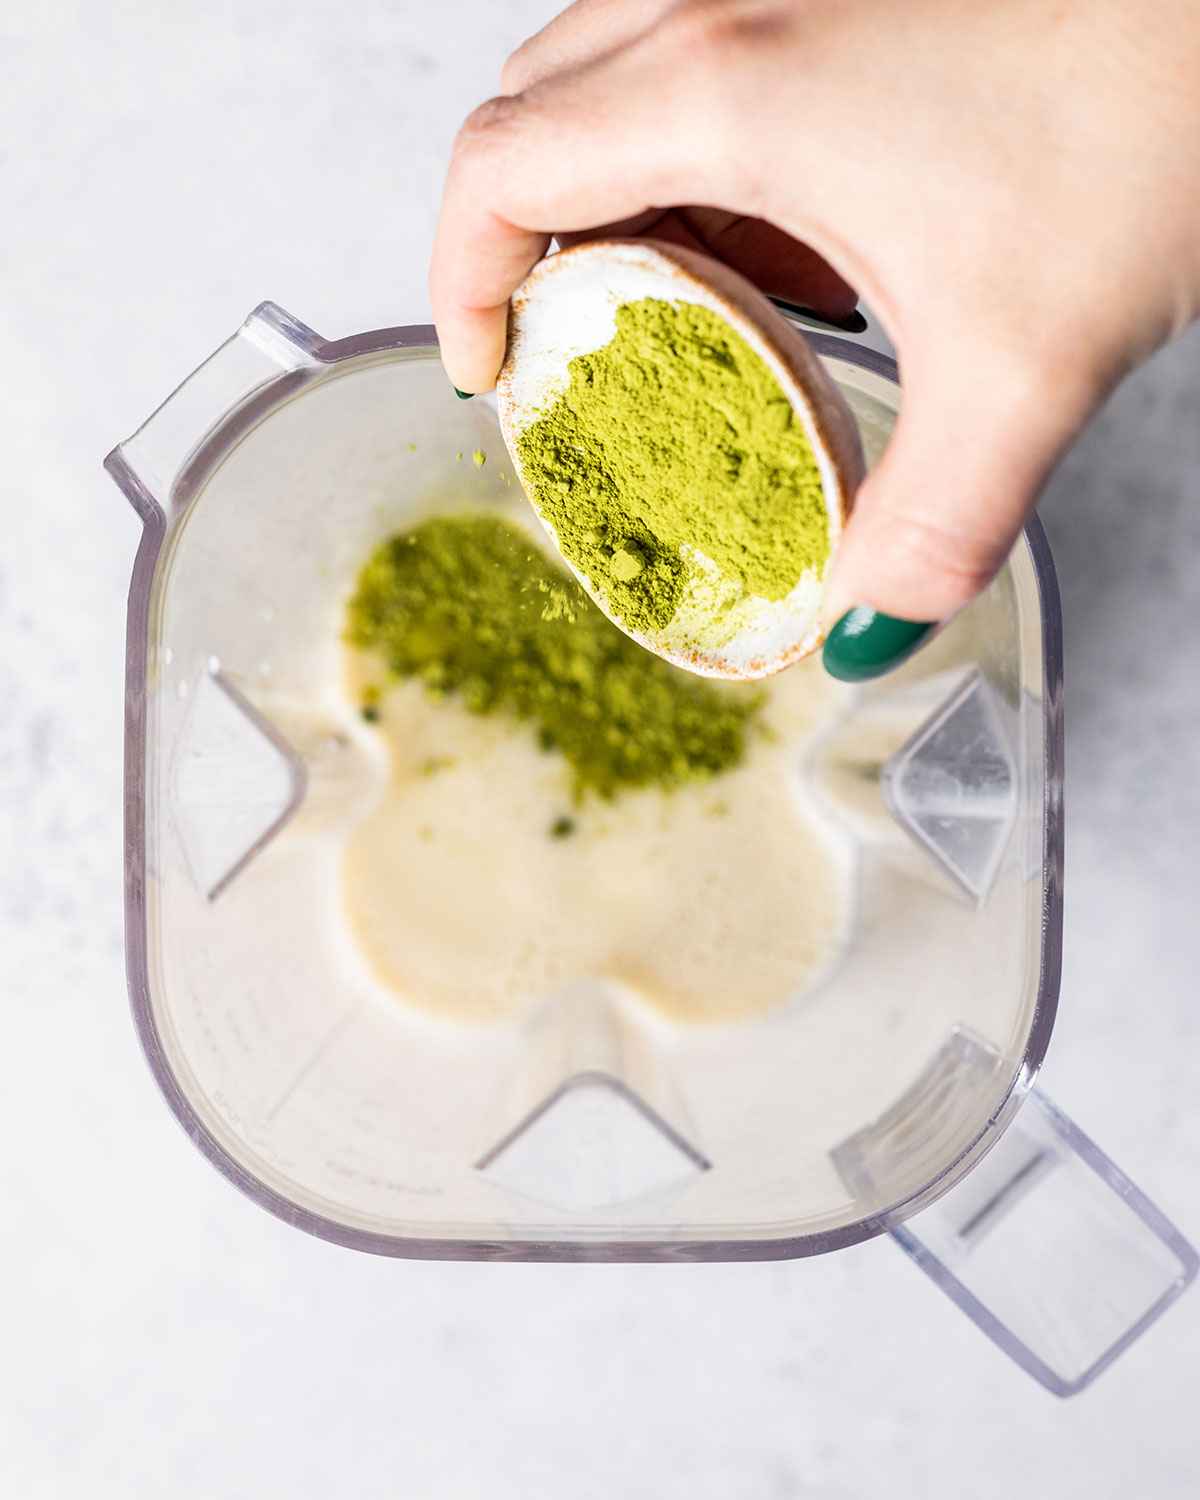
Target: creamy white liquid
(716, 902)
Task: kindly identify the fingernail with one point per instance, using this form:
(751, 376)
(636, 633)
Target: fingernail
(463, 395)
(865, 644)
(851, 322)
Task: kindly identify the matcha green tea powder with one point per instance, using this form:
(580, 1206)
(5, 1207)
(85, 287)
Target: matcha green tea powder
(676, 435)
(470, 607)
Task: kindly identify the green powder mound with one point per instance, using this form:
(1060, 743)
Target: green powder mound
(676, 432)
(471, 608)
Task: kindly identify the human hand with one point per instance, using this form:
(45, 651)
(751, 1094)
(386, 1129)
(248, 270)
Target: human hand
(1014, 187)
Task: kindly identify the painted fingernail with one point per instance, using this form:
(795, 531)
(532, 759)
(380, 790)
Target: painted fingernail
(851, 322)
(865, 644)
(463, 395)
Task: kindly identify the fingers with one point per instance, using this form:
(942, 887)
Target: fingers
(590, 146)
(937, 518)
(766, 255)
(582, 32)
(773, 260)
(479, 260)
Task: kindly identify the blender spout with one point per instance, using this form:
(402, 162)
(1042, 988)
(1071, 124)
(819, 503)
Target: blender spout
(270, 350)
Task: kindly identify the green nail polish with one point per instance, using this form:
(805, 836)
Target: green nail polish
(865, 644)
(463, 395)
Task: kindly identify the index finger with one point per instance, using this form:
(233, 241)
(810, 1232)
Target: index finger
(590, 146)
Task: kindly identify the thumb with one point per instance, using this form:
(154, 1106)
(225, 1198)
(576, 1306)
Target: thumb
(935, 520)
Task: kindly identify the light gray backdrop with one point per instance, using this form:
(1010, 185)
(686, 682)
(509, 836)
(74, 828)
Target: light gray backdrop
(162, 168)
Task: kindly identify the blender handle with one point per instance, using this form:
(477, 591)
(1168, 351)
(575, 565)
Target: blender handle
(269, 346)
(1051, 1250)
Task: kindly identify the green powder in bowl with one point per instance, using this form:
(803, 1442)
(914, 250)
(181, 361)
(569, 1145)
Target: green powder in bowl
(673, 438)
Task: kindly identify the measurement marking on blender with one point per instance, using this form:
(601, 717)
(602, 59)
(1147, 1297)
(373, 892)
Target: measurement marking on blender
(331, 1038)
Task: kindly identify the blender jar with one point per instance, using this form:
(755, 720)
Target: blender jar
(584, 1128)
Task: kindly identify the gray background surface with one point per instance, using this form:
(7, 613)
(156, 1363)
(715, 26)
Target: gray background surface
(162, 168)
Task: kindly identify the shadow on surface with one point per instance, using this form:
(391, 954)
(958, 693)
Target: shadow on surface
(1123, 517)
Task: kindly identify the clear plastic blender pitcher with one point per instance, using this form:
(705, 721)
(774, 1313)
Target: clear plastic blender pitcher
(899, 1098)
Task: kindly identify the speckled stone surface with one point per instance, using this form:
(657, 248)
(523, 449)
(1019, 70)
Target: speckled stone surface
(163, 168)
